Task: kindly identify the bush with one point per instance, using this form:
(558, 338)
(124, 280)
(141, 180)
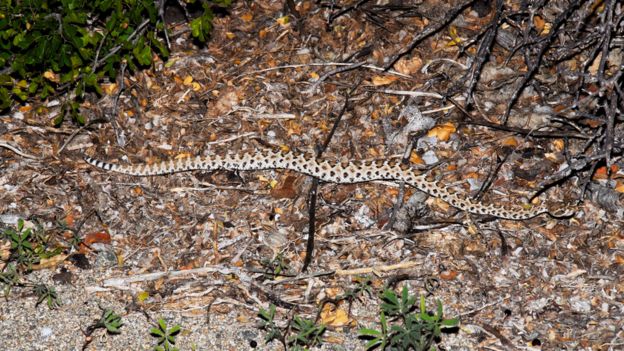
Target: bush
(50, 47)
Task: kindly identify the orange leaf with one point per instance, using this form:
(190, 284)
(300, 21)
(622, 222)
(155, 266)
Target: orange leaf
(415, 158)
(619, 186)
(558, 144)
(601, 173)
(247, 17)
(511, 142)
(97, 237)
(383, 80)
(442, 132)
(334, 317)
(448, 275)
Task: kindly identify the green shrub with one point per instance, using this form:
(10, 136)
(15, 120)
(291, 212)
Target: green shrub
(50, 47)
(407, 329)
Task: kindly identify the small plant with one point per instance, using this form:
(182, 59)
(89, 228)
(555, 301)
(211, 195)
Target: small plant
(308, 333)
(267, 323)
(276, 266)
(166, 337)
(47, 293)
(109, 320)
(412, 331)
(20, 249)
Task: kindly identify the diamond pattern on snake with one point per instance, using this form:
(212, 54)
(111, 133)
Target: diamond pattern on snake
(334, 172)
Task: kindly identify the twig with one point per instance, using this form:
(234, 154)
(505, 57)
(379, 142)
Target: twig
(377, 270)
(19, 152)
(430, 31)
(314, 86)
(227, 140)
(123, 283)
(554, 32)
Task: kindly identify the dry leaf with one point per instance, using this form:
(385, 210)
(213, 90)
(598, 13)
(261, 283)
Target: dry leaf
(49, 262)
(416, 159)
(449, 275)
(247, 17)
(97, 237)
(619, 186)
(383, 80)
(51, 76)
(539, 23)
(455, 39)
(284, 20)
(601, 172)
(188, 80)
(230, 35)
(442, 132)
(335, 317)
(410, 66)
(287, 190)
(558, 144)
(511, 142)
(109, 89)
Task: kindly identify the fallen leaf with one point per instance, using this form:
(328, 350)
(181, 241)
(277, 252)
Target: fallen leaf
(383, 80)
(539, 23)
(335, 317)
(49, 262)
(409, 66)
(51, 76)
(247, 17)
(284, 20)
(416, 159)
(448, 275)
(558, 144)
(142, 296)
(97, 237)
(442, 132)
(286, 190)
(511, 142)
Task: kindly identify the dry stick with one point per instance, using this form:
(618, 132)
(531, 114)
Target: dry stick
(490, 178)
(554, 32)
(345, 10)
(313, 190)
(611, 110)
(18, 151)
(430, 31)
(484, 52)
(352, 66)
(118, 132)
(606, 40)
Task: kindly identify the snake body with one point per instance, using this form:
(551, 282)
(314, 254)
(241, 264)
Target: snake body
(338, 172)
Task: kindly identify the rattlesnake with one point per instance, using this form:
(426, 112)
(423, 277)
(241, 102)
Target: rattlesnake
(350, 172)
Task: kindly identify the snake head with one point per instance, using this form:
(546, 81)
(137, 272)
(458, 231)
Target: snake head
(562, 211)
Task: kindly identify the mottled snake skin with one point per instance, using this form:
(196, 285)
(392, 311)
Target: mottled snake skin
(351, 172)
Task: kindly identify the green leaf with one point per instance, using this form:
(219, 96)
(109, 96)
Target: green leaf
(373, 343)
(369, 332)
(450, 322)
(5, 100)
(175, 330)
(156, 332)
